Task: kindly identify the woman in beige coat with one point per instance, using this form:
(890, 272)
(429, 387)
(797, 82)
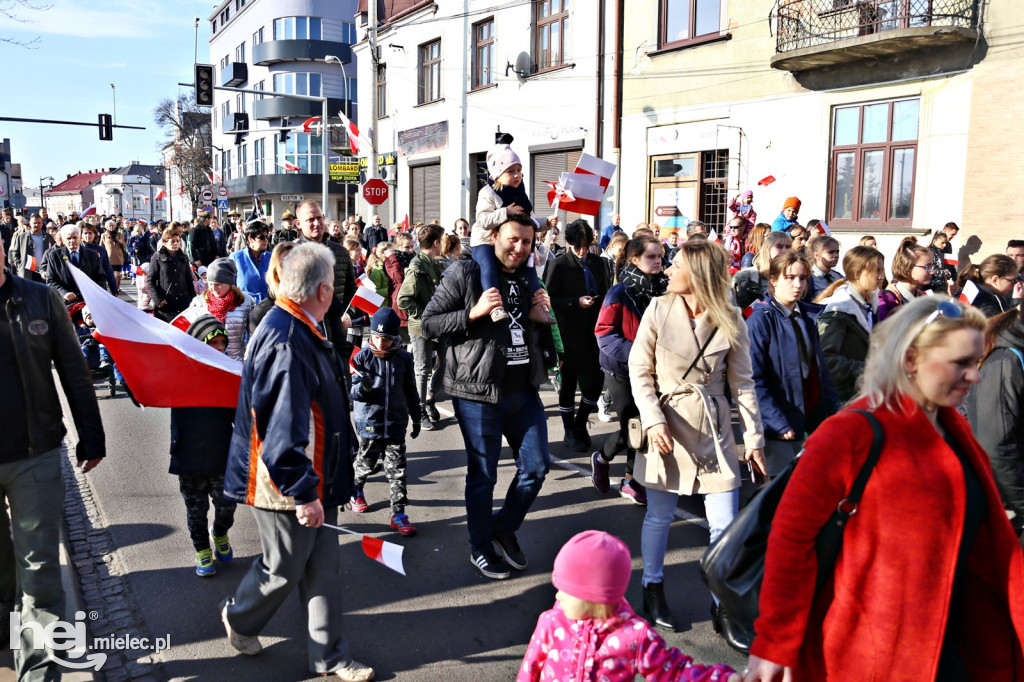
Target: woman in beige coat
(690, 445)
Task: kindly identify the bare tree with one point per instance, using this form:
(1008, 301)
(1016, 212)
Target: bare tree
(187, 127)
(11, 9)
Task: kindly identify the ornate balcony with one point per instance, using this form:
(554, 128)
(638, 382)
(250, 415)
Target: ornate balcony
(815, 34)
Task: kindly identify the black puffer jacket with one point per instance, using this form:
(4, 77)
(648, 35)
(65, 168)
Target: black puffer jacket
(170, 279)
(42, 334)
(566, 284)
(476, 359)
(995, 408)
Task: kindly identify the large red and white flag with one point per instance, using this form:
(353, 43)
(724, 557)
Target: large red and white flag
(162, 365)
(368, 300)
(288, 166)
(161, 195)
(352, 131)
(591, 165)
(969, 293)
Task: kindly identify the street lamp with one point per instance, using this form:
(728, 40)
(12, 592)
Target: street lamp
(333, 59)
(113, 92)
(42, 198)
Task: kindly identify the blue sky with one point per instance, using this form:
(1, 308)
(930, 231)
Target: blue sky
(143, 48)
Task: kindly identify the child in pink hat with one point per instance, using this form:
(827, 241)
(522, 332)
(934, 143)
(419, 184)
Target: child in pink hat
(592, 633)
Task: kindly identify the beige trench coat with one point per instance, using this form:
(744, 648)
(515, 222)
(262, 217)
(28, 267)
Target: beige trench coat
(696, 410)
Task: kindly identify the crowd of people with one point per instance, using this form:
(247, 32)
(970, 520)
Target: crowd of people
(672, 332)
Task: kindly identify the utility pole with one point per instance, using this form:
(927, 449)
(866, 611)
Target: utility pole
(371, 166)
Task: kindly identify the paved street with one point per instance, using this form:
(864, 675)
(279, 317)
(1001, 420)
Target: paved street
(442, 619)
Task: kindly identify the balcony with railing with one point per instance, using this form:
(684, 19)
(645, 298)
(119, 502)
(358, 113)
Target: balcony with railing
(814, 34)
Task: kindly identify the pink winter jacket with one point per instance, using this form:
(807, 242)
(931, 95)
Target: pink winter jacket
(612, 650)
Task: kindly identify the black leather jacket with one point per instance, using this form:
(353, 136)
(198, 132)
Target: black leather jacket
(43, 334)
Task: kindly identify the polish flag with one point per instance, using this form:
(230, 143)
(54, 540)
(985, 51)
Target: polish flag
(951, 260)
(31, 264)
(307, 125)
(577, 192)
(288, 166)
(352, 360)
(89, 211)
(162, 365)
(353, 133)
(766, 180)
(748, 311)
(823, 229)
(145, 200)
(713, 236)
(591, 165)
(368, 300)
(161, 195)
(969, 293)
(139, 271)
(387, 553)
(364, 281)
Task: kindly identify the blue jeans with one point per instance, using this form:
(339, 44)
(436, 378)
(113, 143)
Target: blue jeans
(520, 418)
(720, 508)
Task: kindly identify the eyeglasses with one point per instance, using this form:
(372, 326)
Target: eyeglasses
(945, 309)
(927, 268)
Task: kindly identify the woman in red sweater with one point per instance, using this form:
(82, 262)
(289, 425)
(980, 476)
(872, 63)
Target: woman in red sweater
(929, 584)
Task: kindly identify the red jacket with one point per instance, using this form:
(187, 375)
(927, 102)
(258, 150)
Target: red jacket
(883, 615)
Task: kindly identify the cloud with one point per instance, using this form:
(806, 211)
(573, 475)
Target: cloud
(103, 19)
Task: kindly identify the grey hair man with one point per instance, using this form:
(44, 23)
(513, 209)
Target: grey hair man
(58, 262)
(696, 227)
(291, 461)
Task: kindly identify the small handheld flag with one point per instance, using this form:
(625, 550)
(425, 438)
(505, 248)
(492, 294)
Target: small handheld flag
(31, 264)
(387, 553)
(969, 293)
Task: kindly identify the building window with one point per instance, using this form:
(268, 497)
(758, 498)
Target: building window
(297, 28)
(683, 20)
(714, 190)
(213, 26)
(430, 72)
(298, 83)
(136, 202)
(259, 151)
(382, 91)
(240, 53)
(242, 155)
(483, 53)
(302, 151)
(240, 102)
(225, 61)
(225, 165)
(257, 37)
(873, 158)
(225, 16)
(348, 32)
(259, 86)
(552, 21)
(225, 109)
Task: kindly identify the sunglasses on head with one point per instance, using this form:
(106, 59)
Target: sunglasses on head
(945, 309)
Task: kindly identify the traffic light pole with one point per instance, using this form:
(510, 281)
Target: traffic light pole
(325, 166)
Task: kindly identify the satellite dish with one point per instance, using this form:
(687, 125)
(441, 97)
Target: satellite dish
(523, 65)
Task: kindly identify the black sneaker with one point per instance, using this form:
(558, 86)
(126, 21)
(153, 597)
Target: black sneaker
(427, 425)
(490, 565)
(574, 442)
(508, 547)
(430, 410)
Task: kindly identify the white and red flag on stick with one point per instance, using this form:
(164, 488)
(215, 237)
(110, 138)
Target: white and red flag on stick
(352, 131)
(387, 553)
(161, 364)
(576, 192)
(591, 165)
(969, 293)
(161, 195)
(823, 228)
(31, 264)
(288, 166)
(368, 300)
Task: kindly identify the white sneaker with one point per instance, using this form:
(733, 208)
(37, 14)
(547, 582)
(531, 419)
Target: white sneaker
(243, 644)
(354, 672)
(602, 412)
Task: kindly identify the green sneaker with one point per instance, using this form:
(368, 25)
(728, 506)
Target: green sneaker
(204, 563)
(222, 547)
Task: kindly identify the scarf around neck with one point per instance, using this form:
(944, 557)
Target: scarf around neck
(515, 195)
(220, 307)
(641, 286)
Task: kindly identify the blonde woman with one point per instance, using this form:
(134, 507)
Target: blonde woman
(689, 342)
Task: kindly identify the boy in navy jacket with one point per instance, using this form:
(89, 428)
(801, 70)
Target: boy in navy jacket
(385, 395)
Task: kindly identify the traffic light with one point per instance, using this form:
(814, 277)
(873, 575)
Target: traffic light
(241, 123)
(282, 135)
(106, 126)
(481, 174)
(204, 85)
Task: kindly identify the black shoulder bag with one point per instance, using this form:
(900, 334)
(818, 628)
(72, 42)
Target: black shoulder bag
(733, 566)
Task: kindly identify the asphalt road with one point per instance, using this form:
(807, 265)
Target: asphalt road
(443, 618)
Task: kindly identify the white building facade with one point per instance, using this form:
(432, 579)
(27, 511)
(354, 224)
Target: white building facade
(451, 75)
(134, 191)
(281, 46)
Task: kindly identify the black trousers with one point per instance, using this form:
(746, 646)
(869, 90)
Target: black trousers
(622, 402)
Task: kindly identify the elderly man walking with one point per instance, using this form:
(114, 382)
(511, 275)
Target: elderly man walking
(493, 373)
(291, 461)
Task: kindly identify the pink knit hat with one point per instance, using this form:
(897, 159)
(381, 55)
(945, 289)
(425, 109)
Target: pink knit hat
(593, 566)
(499, 159)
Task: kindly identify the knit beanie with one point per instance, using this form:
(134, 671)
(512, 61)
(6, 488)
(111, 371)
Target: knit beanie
(791, 202)
(499, 159)
(206, 327)
(385, 323)
(222, 271)
(747, 193)
(593, 566)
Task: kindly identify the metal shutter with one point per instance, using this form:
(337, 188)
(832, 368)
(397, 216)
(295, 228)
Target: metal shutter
(549, 166)
(425, 200)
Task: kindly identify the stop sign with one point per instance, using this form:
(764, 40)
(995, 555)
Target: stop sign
(375, 191)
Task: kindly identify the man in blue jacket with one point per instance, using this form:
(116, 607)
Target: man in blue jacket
(291, 461)
(493, 373)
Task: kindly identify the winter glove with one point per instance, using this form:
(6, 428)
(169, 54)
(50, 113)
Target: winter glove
(415, 429)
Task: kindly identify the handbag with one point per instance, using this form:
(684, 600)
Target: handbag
(635, 431)
(733, 566)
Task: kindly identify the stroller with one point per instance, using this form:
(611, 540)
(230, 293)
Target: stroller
(97, 357)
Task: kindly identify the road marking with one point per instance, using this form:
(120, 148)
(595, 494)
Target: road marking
(681, 514)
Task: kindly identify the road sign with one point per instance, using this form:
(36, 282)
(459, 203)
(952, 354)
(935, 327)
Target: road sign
(207, 195)
(222, 204)
(292, 197)
(222, 191)
(18, 200)
(375, 191)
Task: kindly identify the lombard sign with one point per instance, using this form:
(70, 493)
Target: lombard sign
(423, 138)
